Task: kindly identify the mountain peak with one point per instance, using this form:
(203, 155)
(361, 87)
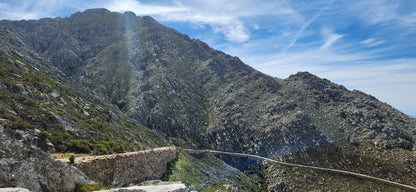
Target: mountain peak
(303, 75)
(129, 13)
(97, 11)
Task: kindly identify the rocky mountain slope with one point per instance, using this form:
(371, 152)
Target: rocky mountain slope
(36, 95)
(107, 76)
(40, 111)
(163, 79)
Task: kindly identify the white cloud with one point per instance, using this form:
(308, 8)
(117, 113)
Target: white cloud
(371, 42)
(256, 27)
(373, 11)
(238, 8)
(306, 25)
(223, 16)
(3, 5)
(231, 26)
(142, 9)
(233, 31)
(387, 13)
(409, 21)
(27, 9)
(330, 40)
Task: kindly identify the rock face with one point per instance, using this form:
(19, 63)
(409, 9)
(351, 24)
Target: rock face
(128, 167)
(153, 186)
(33, 169)
(13, 190)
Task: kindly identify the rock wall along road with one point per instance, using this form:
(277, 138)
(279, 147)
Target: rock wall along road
(127, 167)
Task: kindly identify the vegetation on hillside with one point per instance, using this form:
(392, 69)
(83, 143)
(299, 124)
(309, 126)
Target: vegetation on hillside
(30, 100)
(204, 172)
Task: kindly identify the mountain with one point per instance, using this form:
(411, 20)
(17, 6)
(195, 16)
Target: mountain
(39, 114)
(118, 82)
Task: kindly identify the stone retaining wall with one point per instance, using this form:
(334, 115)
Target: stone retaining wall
(127, 167)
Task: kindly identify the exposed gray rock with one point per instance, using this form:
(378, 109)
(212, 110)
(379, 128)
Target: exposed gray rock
(3, 121)
(54, 93)
(22, 89)
(153, 186)
(24, 166)
(13, 190)
(68, 124)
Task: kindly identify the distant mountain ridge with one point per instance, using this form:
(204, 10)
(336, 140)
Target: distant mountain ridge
(197, 96)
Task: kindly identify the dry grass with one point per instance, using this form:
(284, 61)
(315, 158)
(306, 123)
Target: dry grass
(67, 155)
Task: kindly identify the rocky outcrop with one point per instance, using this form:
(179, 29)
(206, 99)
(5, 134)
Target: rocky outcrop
(24, 166)
(13, 190)
(153, 186)
(127, 167)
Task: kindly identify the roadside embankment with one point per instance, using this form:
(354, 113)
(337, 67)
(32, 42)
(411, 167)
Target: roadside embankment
(128, 167)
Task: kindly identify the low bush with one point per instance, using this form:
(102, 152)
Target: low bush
(82, 187)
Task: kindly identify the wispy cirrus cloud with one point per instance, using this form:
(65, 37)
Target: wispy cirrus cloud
(306, 25)
(225, 17)
(231, 27)
(143, 9)
(371, 42)
(386, 13)
(330, 40)
(26, 9)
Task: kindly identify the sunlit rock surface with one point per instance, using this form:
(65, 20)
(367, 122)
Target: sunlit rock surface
(155, 186)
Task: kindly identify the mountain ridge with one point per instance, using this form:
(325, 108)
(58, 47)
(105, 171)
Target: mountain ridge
(194, 95)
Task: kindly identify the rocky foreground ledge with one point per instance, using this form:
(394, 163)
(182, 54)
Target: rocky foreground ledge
(148, 186)
(14, 190)
(153, 186)
(24, 166)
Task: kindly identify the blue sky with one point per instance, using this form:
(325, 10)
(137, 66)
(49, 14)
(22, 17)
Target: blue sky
(369, 45)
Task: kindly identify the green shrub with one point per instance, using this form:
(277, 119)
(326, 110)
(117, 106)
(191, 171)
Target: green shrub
(21, 124)
(125, 185)
(100, 149)
(43, 135)
(29, 102)
(60, 113)
(107, 147)
(71, 159)
(61, 148)
(80, 146)
(116, 147)
(82, 187)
